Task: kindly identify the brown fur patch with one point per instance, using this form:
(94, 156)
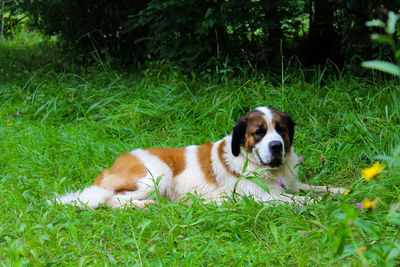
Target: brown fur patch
(204, 157)
(173, 157)
(122, 175)
(279, 117)
(220, 153)
(255, 121)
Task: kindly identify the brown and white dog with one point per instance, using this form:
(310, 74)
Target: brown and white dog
(212, 170)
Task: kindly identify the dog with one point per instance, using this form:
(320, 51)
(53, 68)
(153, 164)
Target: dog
(262, 139)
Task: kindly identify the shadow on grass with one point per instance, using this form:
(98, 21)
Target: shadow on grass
(31, 52)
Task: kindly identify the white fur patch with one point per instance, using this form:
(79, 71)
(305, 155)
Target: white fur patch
(192, 179)
(262, 148)
(156, 168)
(91, 197)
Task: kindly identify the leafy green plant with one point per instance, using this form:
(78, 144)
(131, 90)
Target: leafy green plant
(206, 34)
(383, 212)
(386, 38)
(251, 176)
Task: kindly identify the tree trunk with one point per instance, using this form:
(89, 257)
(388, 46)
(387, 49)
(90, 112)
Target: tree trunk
(323, 40)
(2, 20)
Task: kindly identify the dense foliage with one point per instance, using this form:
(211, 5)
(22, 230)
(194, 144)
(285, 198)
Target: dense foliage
(212, 31)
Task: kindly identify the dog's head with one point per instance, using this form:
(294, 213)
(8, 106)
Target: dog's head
(266, 133)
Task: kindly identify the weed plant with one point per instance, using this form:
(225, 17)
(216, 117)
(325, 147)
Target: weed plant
(61, 125)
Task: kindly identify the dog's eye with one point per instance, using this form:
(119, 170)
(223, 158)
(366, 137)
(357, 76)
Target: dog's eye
(279, 128)
(260, 132)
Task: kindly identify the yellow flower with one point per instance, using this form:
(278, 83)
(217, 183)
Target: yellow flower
(368, 204)
(371, 172)
(346, 192)
(9, 124)
(362, 249)
(327, 142)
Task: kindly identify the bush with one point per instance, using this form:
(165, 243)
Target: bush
(209, 32)
(90, 25)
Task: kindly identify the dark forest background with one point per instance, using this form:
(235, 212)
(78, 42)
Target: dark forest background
(198, 34)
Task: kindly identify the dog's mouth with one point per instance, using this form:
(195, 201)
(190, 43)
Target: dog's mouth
(274, 163)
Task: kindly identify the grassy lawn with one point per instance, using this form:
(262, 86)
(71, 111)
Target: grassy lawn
(61, 125)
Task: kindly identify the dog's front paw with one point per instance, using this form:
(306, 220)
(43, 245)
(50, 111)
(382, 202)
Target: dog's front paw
(337, 190)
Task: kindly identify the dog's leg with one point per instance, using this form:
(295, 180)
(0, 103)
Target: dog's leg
(246, 187)
(132, 182)
(295, 199)
(126, 201)
(137, 198)
(90, 197)
(318, 189)
(291, 199)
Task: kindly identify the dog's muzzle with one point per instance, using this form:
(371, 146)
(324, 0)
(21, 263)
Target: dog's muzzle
(276, 151)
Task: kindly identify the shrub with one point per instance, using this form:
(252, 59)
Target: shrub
(206, 33)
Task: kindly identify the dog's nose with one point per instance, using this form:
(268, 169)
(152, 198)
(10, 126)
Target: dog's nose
(275, 146)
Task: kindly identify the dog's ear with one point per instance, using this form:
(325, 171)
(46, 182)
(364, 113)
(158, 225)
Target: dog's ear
(290, 126)
(238, 135)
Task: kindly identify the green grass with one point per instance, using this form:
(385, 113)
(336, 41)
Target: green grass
(75, 121)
